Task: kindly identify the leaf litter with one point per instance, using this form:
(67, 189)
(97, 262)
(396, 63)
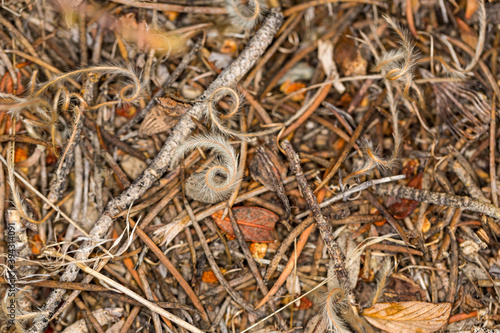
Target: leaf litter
(249, 165)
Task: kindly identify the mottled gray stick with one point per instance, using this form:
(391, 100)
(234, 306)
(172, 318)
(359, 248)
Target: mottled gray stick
(440, 199)
(228, 78)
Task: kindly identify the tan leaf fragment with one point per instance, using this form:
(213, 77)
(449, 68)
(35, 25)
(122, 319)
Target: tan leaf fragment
(408, 317)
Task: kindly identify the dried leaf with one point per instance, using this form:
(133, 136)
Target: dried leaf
(402, 288)
(408, 317)
(257, 224)
(163, 117)
(348, 57)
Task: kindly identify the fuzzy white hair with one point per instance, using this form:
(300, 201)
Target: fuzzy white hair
(219, 179)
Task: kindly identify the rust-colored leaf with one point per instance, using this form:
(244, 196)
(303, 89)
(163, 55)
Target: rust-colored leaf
(408, 317)
(305, 303)
(257, 224)
(405, 207)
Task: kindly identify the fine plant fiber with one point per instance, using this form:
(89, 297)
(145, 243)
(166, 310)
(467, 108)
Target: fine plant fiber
(397, 67)
(334, 304)
(246, 15)
(216, 116)
(218, 180)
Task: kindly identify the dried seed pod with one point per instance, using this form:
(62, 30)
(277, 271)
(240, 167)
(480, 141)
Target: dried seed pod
(268, 168)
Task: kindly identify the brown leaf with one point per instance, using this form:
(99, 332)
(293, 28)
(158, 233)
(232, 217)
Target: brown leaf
(349, 58)
(408, 317)
(257, 224)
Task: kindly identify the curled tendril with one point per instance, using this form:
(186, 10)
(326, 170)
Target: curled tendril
(218, 180)
(215, 115)
(245, 15)
(332, 306)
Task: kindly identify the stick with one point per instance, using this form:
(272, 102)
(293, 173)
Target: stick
(324, 227)
(440, 199)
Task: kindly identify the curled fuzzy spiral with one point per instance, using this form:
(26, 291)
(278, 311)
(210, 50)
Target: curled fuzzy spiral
(245, 15)
(218, 180)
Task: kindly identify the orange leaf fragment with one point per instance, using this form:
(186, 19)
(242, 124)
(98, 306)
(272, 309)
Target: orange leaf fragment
(290, 87)
(305, 303)
(257, 224)
(209, 276)
(127, 111)
(228, 47)
(36, 245)
(467, 34)
(408, 317)
(258, 250)
(20, 154)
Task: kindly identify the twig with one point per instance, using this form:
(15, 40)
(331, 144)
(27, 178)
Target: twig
(440, 199)
(346, 194)
(171, 268)
(287, 242)
(387, 215)
(65, 163)
(324, 227)
(493, 178)
(228, 77)
(215, 268)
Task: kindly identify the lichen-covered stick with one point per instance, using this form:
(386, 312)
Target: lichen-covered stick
(324, 227)
(228, 78)
(440, 199)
